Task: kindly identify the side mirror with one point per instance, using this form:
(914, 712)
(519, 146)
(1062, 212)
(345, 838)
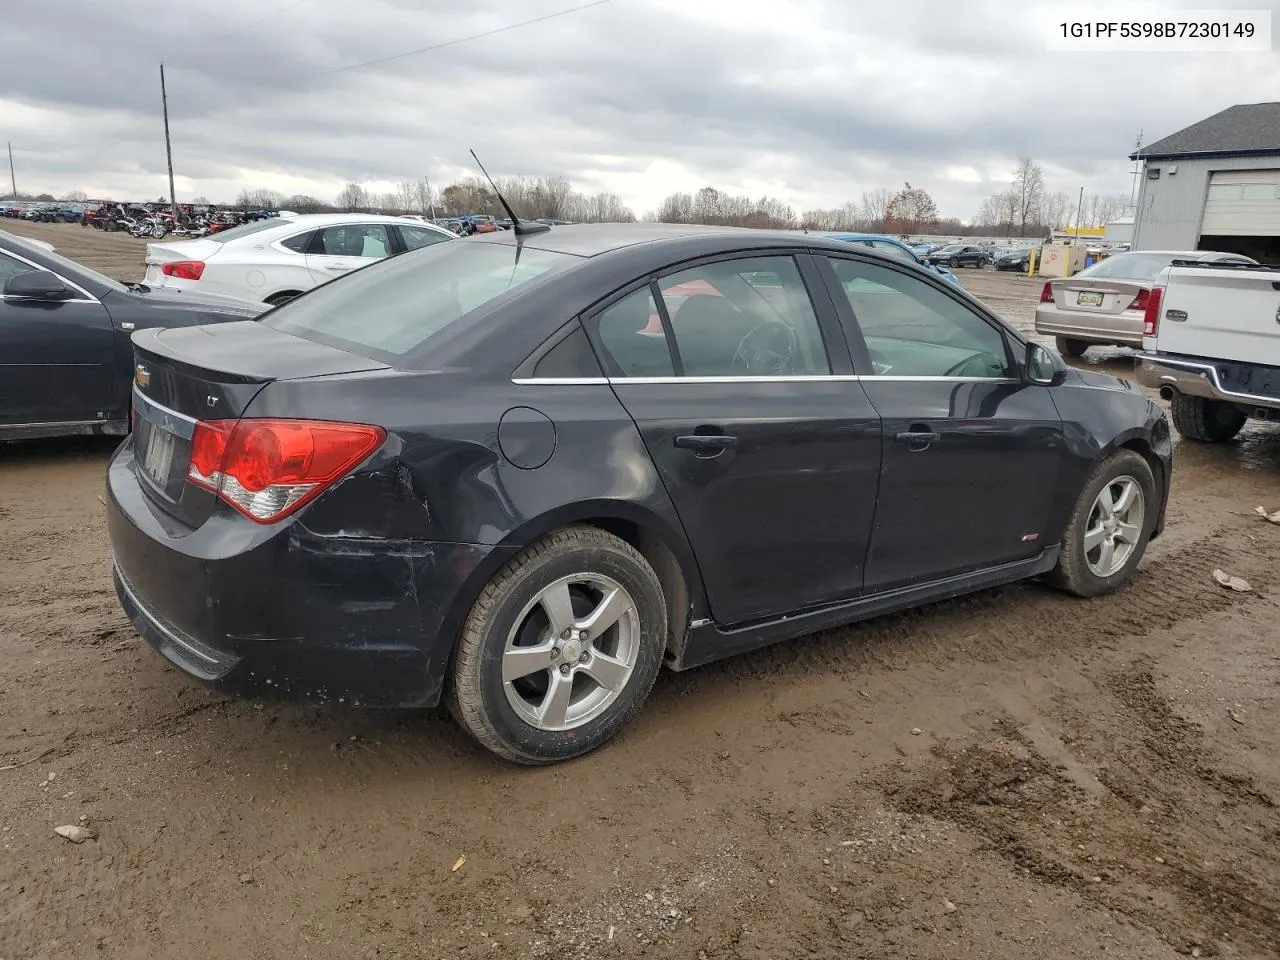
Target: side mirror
(37, 285)
(1042, 366)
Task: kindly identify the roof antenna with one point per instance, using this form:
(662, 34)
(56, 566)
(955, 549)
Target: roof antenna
(518, 228)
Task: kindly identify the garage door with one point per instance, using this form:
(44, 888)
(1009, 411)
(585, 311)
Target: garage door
(1243, 203)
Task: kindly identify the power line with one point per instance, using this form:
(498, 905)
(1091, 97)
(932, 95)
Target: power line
(268, 16)
(468, 39)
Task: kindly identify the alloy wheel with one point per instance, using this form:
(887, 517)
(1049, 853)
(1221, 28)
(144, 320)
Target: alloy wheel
(571, 652)
(1115, 525)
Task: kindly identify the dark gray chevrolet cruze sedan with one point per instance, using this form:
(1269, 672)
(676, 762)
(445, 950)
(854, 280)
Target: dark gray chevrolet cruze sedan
(520, 473)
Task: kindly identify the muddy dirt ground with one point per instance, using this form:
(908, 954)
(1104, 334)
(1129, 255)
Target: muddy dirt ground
(1015, 774)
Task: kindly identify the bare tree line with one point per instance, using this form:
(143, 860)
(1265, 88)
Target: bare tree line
(1027, 209)
(534, 198)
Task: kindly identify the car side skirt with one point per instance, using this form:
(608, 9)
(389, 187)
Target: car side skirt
(74, 428)
(707, 642)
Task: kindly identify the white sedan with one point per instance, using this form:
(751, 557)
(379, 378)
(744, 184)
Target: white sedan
(275, 260)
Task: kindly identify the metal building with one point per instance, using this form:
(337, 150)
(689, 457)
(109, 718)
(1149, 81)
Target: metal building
(1214, 185)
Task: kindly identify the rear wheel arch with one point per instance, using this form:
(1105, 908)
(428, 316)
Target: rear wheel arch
(662, 547)
(284, 296)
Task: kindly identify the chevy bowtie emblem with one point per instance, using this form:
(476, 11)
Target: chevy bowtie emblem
(141, 375)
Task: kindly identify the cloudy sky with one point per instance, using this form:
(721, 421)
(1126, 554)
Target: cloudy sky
(813, 101)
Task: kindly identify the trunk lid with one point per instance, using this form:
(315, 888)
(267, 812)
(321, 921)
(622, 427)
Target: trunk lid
(1097, 296)
(159, 254)
(187, 374)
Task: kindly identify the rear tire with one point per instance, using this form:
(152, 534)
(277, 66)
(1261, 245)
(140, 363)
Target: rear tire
(536, 616)
(1083, 567)
(1209, 421)
(1072, 348)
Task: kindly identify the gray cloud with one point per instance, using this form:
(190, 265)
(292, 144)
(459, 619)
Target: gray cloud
(812, 100)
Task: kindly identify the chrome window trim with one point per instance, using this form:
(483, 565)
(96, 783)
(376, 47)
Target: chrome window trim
(86, 298)
(173, 421)
(828, 377)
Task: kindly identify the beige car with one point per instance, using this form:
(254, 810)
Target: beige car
(1104, 303)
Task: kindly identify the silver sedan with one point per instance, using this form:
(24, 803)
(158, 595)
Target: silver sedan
(1104, 304)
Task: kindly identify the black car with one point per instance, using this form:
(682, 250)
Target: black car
(523, 472)
(959, 255)
(1014, 260)
(66, 363)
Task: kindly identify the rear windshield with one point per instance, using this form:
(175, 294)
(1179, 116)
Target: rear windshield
(245, 229)
(388, 309)
(1129, 266)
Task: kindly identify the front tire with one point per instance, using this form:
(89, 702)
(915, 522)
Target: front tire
(1109, 528)
(561, 648)
(1209, 421)
(1071, 348)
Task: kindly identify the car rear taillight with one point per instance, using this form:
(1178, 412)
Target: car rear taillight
(1151, 314)
(1140, 301)
(183, 269)
(1046, 295)
(267, 469)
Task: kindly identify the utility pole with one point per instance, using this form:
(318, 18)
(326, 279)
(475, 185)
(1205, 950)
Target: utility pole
(1137, 167)
(1079, 213)
(13, 181)
(168, 146)
(431, 200)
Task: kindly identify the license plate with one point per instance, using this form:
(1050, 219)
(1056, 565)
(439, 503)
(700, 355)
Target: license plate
(159, 453)
(1089, 299)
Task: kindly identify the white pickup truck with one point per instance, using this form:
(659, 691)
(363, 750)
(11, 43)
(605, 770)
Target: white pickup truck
(1211, 346)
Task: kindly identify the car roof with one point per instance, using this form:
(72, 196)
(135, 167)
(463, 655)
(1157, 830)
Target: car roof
(593, 239)
(866, 236)
(312, 221)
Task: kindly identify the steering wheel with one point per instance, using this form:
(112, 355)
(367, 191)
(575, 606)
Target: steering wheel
(767, 349)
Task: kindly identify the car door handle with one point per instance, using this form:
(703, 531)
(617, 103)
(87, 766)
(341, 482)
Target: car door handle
(337, 266)
(917, 438)
(707, 444)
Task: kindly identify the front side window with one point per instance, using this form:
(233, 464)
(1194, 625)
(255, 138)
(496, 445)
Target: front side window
(745, 317)
(893, 250)
(913, 329)
(9, 267)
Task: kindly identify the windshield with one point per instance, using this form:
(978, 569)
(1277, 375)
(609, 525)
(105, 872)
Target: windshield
(1130, 266)
(388, 309)
(68, 268)
(950, 248)
(246, 229)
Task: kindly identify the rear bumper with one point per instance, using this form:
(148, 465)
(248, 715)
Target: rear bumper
(1123, 330)
(283, 612)
(1196, 378)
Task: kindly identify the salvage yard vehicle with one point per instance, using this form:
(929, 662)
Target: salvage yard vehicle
(66, 361)
(959, 255)
(477, 472)
(1104, 303)
(1211, 345)
(276, 259)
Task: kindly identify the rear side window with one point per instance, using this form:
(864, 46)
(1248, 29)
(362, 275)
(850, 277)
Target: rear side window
(356, 240)
(389, 309)
(632, 336)
(744, 318)
(415, 237)
(299, 243)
